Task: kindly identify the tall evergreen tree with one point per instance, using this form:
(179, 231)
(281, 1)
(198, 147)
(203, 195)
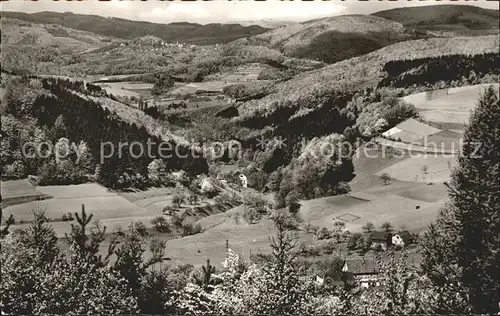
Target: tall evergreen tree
(471, 225)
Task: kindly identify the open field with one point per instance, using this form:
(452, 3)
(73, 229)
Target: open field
(410, 130)
(243, 238)
(243, 73)
(16, 188)
(20, 191)
(97, 200)
(411, 169)
(127, 89)
(355, 210)
(447, 106)
(191, 88)
(109, 208)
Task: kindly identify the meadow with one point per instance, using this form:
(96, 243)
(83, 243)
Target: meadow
(127, 89)
(449, 109)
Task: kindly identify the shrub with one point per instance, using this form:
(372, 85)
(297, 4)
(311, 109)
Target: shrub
(141, 229)
(386, 226)
(178, 199)
(226, 198)
(368, 227)
(252, 215)
(190, 229)
(60, 174)
(309, 250)
(16, 170)
(363, 244)
(308, 227)
(385, 177)
(160, 223)
(177, 220)
(208, 189)
(323, 233)
(408, 237)
(292, 201)
(353, 241)
(67, 217)
(193, 198)
(329, 247)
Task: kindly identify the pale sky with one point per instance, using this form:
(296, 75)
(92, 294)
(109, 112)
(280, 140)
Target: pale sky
(221, 11)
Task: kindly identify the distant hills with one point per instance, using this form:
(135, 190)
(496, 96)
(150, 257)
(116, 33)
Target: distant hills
(460, 16)
(267, 23)
(182, 32)
(328, 40)
(335, 38)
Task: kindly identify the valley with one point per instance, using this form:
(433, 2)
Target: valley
(331, 140)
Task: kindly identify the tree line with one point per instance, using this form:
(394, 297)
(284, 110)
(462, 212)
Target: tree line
(61, 113)
(431, 70)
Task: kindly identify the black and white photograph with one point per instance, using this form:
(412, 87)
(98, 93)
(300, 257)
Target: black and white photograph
(257, 158)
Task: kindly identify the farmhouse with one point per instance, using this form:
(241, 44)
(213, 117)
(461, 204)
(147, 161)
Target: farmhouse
(364, 271)
(385, 239)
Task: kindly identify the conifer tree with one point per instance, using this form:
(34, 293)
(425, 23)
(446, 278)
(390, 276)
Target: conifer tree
(85, 244)
(466, 235)
(206, 280)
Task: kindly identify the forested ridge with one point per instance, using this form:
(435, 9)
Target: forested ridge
(56, 111)
(429, 71)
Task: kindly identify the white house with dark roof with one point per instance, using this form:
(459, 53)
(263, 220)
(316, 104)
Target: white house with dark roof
(385, 240)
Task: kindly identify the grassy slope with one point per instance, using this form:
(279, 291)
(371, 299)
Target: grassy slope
(374, 202)
(182, 32)
(467, 16)
(309, 89)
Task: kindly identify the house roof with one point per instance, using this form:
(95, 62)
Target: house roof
(379, 236)
(361, 266)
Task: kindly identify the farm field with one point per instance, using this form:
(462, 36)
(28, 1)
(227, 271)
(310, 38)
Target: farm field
(16, 188)
(248, 72)
(448, 106)
(97, 200)
(127, 89)
(243, 238)
(111, 209)
(397, 210)
(411, 169)
(20, 191)
(410, 130)
(192, 88)
(242, 74)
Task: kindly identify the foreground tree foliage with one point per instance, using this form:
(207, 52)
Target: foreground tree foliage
(39, 278)
(462, 247)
